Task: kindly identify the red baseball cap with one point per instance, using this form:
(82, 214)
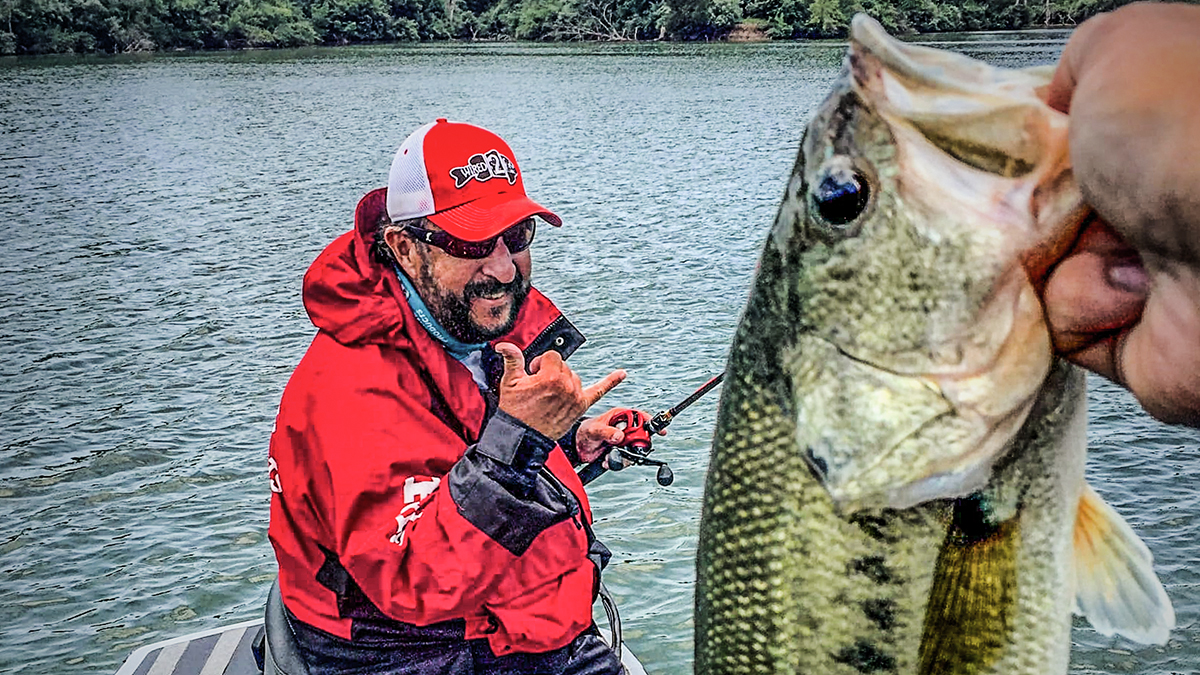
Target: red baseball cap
(463, 178)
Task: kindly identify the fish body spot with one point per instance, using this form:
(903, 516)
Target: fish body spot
(866, 658)
(881, 612)
(874, 527)
(841, 273)
(874, 568)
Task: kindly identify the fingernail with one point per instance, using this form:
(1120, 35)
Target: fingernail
(1130, 277)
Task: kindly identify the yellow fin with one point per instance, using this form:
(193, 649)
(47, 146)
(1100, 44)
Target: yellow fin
(1115, 584)
(969, 618)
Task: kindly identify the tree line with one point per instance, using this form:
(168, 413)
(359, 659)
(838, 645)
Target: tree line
(113, 26)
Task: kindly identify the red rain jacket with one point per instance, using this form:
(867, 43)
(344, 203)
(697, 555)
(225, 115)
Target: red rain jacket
(389, 509)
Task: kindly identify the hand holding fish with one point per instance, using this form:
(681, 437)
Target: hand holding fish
(1125, 302)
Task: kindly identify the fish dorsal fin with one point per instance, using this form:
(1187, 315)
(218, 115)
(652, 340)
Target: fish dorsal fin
(1115, 584)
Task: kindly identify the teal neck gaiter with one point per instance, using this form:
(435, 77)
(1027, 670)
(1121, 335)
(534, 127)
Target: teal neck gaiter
(456, 348)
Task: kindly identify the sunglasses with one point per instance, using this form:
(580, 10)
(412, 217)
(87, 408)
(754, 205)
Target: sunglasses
(516, 238)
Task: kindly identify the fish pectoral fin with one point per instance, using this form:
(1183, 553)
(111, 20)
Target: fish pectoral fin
(1115, 584)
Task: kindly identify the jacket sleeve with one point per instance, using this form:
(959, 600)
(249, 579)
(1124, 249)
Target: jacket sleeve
(501, 488)
(429, 529)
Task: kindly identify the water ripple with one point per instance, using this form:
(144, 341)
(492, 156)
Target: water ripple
(162, 210)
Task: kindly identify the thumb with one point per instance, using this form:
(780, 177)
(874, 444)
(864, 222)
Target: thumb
(514, 363)
(1096, 291)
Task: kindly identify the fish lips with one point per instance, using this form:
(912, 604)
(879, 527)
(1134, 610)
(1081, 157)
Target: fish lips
(878, 439)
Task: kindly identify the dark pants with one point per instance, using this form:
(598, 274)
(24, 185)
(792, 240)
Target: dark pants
(328, 654)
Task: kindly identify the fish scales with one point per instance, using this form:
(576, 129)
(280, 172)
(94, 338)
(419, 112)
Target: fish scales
(1014, 616)
(788, 585)
(897, 468)
(770, 529)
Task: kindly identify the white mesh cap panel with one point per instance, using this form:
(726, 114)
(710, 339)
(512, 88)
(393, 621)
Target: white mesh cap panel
(409, 195)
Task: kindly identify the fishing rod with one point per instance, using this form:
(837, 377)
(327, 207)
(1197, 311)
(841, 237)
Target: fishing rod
(636, 446)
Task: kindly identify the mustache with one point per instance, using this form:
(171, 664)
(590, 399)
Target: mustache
(479, 289)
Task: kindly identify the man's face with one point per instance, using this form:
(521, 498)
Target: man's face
(475, 300)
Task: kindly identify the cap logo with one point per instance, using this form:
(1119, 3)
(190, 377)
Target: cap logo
(484, 167)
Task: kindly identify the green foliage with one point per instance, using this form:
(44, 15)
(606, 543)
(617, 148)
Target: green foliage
(534, 18)
(827, 17)
(417, 19)
(699, 19)
(342, 21)
(610, 20)
(40, 26)
(887, 13)
(1072, 11)
(724, 14)
(195, 24)
(268, 23)
(786, 19)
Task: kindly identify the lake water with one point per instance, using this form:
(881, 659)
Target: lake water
(158, 213)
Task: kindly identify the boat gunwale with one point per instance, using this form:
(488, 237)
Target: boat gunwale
(139, 655)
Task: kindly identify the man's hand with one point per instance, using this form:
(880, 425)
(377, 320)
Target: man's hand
(551, 397)
(597, 434)
(1125, 302)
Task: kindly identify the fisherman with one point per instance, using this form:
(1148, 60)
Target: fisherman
(425, 513)
(1125, 302)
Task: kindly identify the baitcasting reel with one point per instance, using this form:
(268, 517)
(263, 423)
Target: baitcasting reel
(636, 446)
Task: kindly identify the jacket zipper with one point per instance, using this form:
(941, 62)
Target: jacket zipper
(567, 496)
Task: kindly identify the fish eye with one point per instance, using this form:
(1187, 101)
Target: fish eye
(841, 195)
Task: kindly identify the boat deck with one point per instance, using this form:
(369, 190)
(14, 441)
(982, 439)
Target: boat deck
(226, 651)
(220, 651)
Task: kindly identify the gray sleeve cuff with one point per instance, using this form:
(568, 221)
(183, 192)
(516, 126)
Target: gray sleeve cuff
(508, 441)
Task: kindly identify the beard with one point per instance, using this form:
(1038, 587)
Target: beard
(453, 311)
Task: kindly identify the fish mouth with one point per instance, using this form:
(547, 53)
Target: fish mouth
(877, 438)
(916, 398)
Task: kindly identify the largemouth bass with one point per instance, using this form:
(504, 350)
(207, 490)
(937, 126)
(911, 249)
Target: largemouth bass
(896, 483)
